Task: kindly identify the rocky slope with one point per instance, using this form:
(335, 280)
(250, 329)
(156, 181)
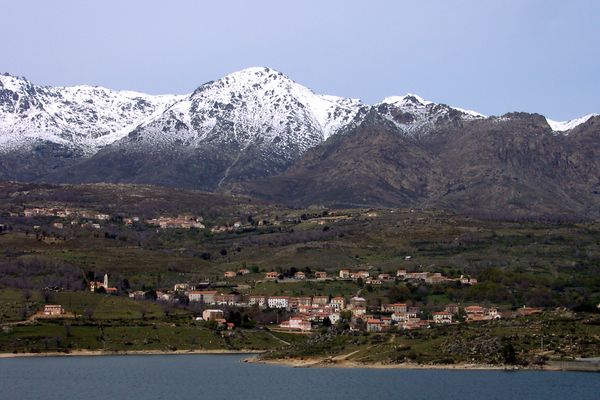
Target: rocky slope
(513, 166)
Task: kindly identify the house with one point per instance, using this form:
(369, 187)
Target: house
(527, 311)
(257, 300)
(358, 301)
(374, 325)
(435, 278)
(297, 323)
(278, 301)
(452, 308)
(415, 324)
(212, 315)
(297, 302)
(320, 300)
(474, 310)
(358, 311)
(58, 225)
(493, 313)
(203, 296)
(321, 275)
(53, 310)
(230, 299)
(404, 317)
(401, 273)
(394, 308)
(181, 287)
(384, 277)
(111, 290)
(339, 303)
(442, 317)
(467, 281)
(299, 275)
(230, 274)
(137, 295)
(244, 271)
(272, 275)
(164, 296)
(359, 275)
(344, 273)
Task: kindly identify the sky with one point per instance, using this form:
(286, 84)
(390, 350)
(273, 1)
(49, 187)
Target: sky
(490, 56)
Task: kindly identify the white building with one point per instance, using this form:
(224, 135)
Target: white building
(278, 302)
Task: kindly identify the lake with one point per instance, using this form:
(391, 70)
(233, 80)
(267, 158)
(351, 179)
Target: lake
(225, 377)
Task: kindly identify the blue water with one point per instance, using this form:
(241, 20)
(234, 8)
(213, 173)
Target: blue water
(224, 377)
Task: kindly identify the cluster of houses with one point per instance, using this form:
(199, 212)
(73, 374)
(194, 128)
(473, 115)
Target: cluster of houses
(74, 215)
(181, 222)
(347, 274)
(431, 278)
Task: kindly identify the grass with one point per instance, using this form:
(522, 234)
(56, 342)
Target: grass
(551, 335)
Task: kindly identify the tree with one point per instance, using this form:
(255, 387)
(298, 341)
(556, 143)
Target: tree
(508, 352)
(326, 322)
(89, 313)
(150, 295)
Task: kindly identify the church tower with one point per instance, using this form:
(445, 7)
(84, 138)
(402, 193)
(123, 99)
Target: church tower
(105, 281)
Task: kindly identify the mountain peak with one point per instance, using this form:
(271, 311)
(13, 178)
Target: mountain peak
(408, 98)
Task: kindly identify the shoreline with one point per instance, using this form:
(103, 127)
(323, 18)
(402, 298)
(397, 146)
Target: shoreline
(99, 353)
(327, 363)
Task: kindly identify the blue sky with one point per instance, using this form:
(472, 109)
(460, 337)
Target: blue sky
(490, 56)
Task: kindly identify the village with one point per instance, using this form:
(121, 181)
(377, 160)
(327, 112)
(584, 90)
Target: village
(85, 218)
(310, 312)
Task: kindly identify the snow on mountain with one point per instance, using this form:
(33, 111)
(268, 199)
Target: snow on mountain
(255, 105)
(83, 118)
(413, 114)
(562, 126)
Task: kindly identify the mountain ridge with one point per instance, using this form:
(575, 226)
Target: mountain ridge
(258, 132)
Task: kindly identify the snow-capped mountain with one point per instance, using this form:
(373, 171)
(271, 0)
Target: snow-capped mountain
(81, 118)
(249, 107)
(257, 131)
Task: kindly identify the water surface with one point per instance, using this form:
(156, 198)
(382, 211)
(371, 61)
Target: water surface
(225, 377)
